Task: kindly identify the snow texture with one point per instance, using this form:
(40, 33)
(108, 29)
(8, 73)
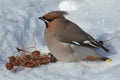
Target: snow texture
(100, 18)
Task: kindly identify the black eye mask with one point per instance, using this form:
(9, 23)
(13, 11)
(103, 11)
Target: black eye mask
(49, 20)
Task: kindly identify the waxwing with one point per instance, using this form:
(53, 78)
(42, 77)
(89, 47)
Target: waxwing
(67, 41)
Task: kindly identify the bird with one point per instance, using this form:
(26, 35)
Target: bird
(67, 41)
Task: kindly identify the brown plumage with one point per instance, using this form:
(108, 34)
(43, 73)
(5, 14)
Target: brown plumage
(65, 39)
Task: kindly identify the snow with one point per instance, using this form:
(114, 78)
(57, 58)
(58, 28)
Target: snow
(68, 5)
(100, 18)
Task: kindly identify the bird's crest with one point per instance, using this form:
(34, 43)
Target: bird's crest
(54, 14)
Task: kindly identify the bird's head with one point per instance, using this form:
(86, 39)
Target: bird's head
(51, 16)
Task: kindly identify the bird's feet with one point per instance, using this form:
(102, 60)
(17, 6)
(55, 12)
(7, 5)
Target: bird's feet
(52, 58)
(94, 58)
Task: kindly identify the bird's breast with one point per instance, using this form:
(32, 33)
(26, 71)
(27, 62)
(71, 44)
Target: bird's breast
(59, 49)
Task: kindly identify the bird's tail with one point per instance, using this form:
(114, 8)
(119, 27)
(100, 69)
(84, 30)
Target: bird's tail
(100, 45)
(107, 50)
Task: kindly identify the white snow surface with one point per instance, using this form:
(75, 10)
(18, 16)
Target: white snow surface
(100, 18)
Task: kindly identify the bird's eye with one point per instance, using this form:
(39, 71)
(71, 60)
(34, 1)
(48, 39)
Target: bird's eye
(50, 20)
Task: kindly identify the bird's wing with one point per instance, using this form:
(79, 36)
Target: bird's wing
(75, 35)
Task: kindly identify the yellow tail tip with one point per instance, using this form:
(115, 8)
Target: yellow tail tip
(108, 60)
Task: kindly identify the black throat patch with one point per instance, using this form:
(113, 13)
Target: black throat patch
(46, 24)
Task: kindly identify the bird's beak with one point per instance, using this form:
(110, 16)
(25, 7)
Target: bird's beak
(42, 18)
